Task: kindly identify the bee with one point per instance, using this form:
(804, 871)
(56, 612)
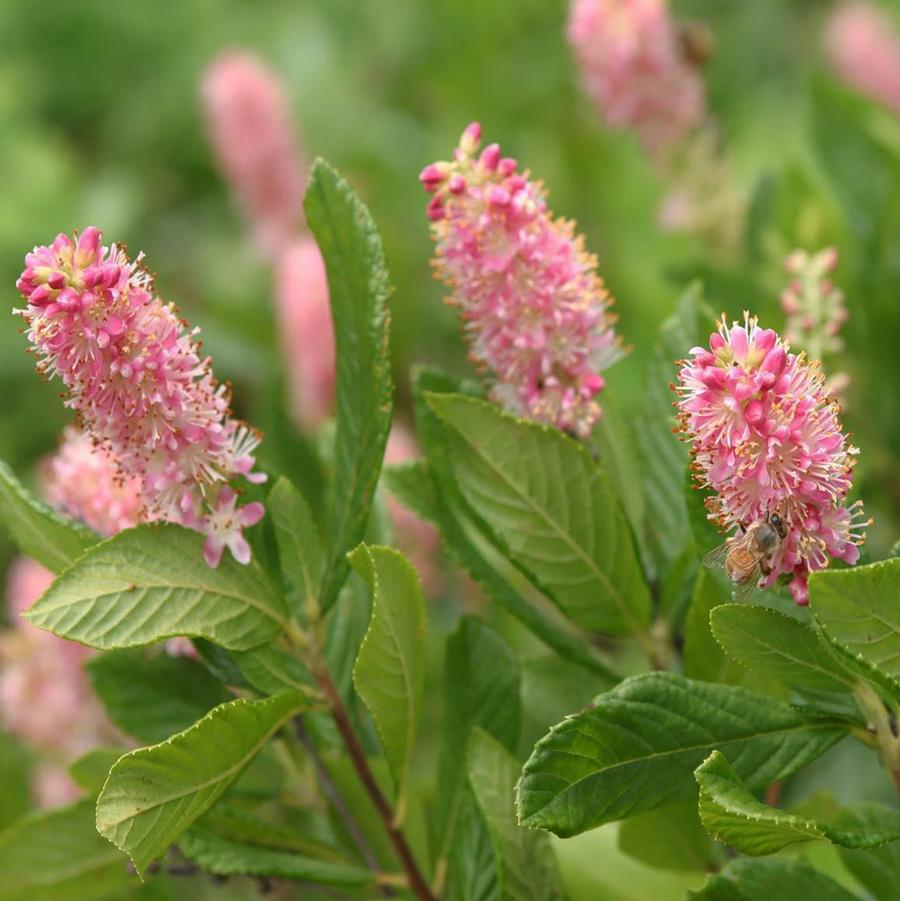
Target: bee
(748, 556)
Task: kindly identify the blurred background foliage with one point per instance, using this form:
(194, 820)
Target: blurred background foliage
(100, 123)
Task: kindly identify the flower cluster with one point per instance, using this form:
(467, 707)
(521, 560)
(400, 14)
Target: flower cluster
(45, 697)
(82, 481)
(766, 438)
(250, 128)
(815, 309)
(535, 311)
(863, 47)
(134, 375)
(635, 70)
(307, 333)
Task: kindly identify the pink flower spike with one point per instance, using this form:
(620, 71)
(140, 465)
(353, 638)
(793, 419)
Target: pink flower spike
(814, 307)
(159, 443)
(862, 43)
(534, 309)
(767, 445)
(307, 333)
(251, 131)
(634, 69)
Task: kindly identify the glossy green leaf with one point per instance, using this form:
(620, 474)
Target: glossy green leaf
(413, 484)
(358, 289)
(271, 669)
(389, 674)
(670, 838)
(770, 643)
(226, 857)
(859, 609)
(151, 697)
(38, 531)
(299, 546)
(732, 815)
(482, 680)
(638, 746)
(57, 855)
(778, 879)
(703, 655)
(526, 863)
(154, 794)
(552, 509)
(878, 869)
(151, 583)
(89, 772)
(474, 869)
(663, 456)
(616, 446)
(232, 821)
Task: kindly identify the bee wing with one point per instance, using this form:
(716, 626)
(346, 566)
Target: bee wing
(742, 590)
(716, 557)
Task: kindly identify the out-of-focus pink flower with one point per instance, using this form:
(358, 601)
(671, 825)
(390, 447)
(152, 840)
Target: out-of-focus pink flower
(134, 374)
(418, 539)
(251, 132)
(535, 311)
(307, 333)
(814, 308)
(634, 69)
(766, 438)
(53, 787)
(180, 647)
(45, 698)
(863, 47)
(702, 197)
(82, 480)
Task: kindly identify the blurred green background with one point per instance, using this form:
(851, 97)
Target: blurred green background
(100, 124)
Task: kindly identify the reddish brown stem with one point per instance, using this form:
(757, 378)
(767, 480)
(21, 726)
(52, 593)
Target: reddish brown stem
(417, 884)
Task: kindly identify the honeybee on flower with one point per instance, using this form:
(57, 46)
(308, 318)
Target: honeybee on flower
(748, 556)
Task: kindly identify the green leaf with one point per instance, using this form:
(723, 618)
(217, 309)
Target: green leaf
(57, 855)
(770, 643)
(482, 680)
(233, 822)
(358, 289)
(878, 869)
(270, 669)
(89, 771)
(638, 746)
(734, 817)
(553, 511)
(390, 668)
(616, 445)
(15, 777)
(153, 697)
(37, 530)
(151, 583)
(225, 857)
(527, 864)
(154, 794)
(858, 609)
(299, 546)
(474, 869)
(703, 656)
(664, 457)
(413, 484)
(670, 838)
(778, 879)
